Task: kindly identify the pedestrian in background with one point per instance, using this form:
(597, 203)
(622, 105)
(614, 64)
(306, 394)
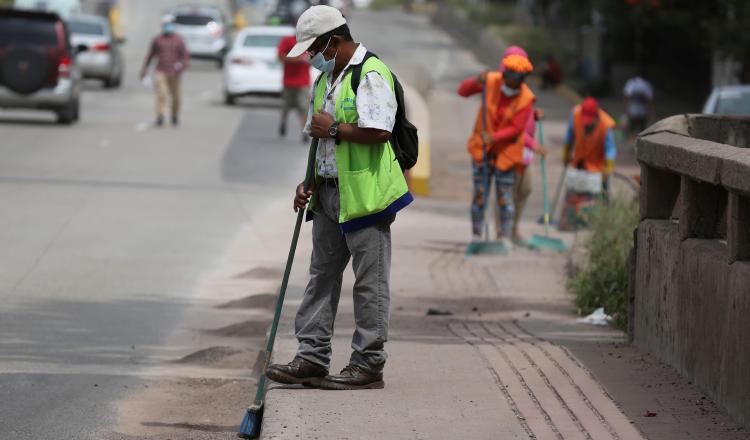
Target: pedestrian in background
(172, 58)
(359, 188)
(296, 93)
(552, 73)
(499, 138)
(639, 97)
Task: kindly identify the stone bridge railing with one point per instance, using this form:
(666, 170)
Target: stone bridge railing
(691, 279)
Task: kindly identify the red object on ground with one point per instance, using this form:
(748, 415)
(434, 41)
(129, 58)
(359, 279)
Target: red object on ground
(554, 71)
(649, 414)
(296, 75)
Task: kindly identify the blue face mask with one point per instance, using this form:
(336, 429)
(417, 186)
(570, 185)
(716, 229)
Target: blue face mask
(319, 61)
(168, 28)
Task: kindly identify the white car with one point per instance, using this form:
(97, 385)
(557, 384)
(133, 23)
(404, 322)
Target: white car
(252, 66)
(204, 29)
(729, 100)
(64, 8)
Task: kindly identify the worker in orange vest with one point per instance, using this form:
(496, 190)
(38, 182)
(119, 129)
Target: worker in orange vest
(496, 145)
(590, 140)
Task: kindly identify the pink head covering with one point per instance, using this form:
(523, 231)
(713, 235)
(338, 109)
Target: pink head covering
(512, 50)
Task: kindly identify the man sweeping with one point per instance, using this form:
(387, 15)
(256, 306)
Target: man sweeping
(590, 152)
(359, 187)
(497, 143)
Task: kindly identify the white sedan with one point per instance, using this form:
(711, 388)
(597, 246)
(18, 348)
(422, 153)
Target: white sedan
(252, 66)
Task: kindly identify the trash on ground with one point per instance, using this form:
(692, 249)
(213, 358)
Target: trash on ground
(438, 312)
(598, 317)
(649, 414)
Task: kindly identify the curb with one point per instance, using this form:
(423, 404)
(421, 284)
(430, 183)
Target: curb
(419, 114)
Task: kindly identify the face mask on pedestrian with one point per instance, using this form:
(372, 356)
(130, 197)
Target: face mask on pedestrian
(168, 28)
(320, 62)
(509, 91)
(588, 129)
(514, 78)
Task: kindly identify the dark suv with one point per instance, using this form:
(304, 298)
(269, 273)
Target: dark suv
(37, 64)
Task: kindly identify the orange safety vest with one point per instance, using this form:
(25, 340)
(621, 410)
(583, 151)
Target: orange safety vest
(590, 148)
(507, 154)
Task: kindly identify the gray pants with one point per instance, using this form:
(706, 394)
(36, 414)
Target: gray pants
(370, 251)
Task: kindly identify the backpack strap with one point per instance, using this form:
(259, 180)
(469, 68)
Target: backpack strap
(357, 71)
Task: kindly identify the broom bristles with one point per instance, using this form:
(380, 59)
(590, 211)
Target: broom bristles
(250, 426)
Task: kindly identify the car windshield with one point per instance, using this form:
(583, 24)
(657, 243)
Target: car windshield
(193, 20)
(86, 27)
(733, 102)
(26, 30)
(261, 41)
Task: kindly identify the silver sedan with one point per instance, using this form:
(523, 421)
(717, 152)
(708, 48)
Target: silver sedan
(102, 58)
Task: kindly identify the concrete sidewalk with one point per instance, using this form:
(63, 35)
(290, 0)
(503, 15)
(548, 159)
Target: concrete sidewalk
(477, 374)
(510, 361)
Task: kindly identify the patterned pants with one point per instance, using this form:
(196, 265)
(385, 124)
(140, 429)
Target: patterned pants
(504, 180)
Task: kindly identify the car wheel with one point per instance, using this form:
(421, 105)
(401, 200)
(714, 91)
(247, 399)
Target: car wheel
(112, 83)
(229, 99)
(68, 114)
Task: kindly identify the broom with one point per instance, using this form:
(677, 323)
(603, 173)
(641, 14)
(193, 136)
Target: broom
(250, 426)
(545, 241)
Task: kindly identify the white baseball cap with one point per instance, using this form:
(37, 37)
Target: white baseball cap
(314, 22)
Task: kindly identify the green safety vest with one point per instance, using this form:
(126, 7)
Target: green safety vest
(372, 187)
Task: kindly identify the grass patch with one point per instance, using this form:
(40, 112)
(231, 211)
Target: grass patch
(487, 14)
(603, 279)
(537, 42)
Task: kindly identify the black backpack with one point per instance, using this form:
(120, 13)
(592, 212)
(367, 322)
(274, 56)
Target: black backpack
(404, 138)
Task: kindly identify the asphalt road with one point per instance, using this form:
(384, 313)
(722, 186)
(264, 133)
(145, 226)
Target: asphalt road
(107, 225)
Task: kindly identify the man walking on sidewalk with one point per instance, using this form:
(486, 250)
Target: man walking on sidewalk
(639, 97)
(171, 60)
(497, 143)
(359, 188)
(296, 92)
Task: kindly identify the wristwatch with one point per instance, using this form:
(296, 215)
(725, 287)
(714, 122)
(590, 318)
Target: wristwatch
(333, 131)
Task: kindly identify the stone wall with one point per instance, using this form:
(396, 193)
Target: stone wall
(691, 286)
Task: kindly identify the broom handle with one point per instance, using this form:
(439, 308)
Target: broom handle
(558, 191)
(540, 127)
(285, 280)
(486, 164)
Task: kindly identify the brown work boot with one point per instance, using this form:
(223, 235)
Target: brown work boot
(353, 377)
(297, 372)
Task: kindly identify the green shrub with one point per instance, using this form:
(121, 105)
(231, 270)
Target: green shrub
(603, 279)
(537, 41)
